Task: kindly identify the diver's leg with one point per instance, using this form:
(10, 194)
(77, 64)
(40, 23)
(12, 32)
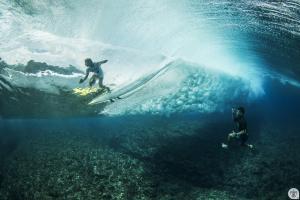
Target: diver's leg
(230, 137)
(225, 146)
(243, 139)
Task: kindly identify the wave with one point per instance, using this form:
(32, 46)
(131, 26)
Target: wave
(216, 47)
(131, 88)
(179, 87)
(61, 33)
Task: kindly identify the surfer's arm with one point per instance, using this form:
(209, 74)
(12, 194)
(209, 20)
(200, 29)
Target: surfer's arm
(103, 61)
(86, 76)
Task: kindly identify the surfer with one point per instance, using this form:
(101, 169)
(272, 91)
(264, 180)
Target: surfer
(240, 133)
(95, 68)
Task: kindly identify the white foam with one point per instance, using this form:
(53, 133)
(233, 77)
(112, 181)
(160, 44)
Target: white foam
(46, 81)
(183, 88)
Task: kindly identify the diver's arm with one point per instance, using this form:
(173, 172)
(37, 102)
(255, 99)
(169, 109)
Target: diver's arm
(234, 116)
(86, 76)
(234, 134)
(241, 132)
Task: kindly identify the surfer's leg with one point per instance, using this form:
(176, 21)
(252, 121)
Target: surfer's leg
(92, 80)
(101, 84)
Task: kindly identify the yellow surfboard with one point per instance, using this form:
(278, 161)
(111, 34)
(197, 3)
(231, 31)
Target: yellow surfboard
(85, 91)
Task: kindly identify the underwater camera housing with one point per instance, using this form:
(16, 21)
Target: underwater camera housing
(234, 110)
(239, 108)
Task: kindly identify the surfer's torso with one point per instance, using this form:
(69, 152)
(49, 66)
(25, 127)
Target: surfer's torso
(96, 69)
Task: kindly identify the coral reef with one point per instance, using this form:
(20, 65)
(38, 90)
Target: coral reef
(161, 158)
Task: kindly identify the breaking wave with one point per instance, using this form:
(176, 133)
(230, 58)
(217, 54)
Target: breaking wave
(214, 53)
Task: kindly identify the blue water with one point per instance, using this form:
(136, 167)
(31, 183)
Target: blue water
(162, 140)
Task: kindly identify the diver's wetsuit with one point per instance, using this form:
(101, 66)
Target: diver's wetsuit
(240, 125)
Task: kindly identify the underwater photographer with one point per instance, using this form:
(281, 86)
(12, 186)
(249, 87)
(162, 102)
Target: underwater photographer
(240, 132)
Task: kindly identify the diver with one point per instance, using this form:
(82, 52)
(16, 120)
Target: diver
(95, 68)
(240, 133)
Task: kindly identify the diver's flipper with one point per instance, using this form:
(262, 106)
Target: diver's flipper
(224, 146)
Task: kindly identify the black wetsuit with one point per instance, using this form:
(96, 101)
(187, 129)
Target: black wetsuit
(240, 125)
